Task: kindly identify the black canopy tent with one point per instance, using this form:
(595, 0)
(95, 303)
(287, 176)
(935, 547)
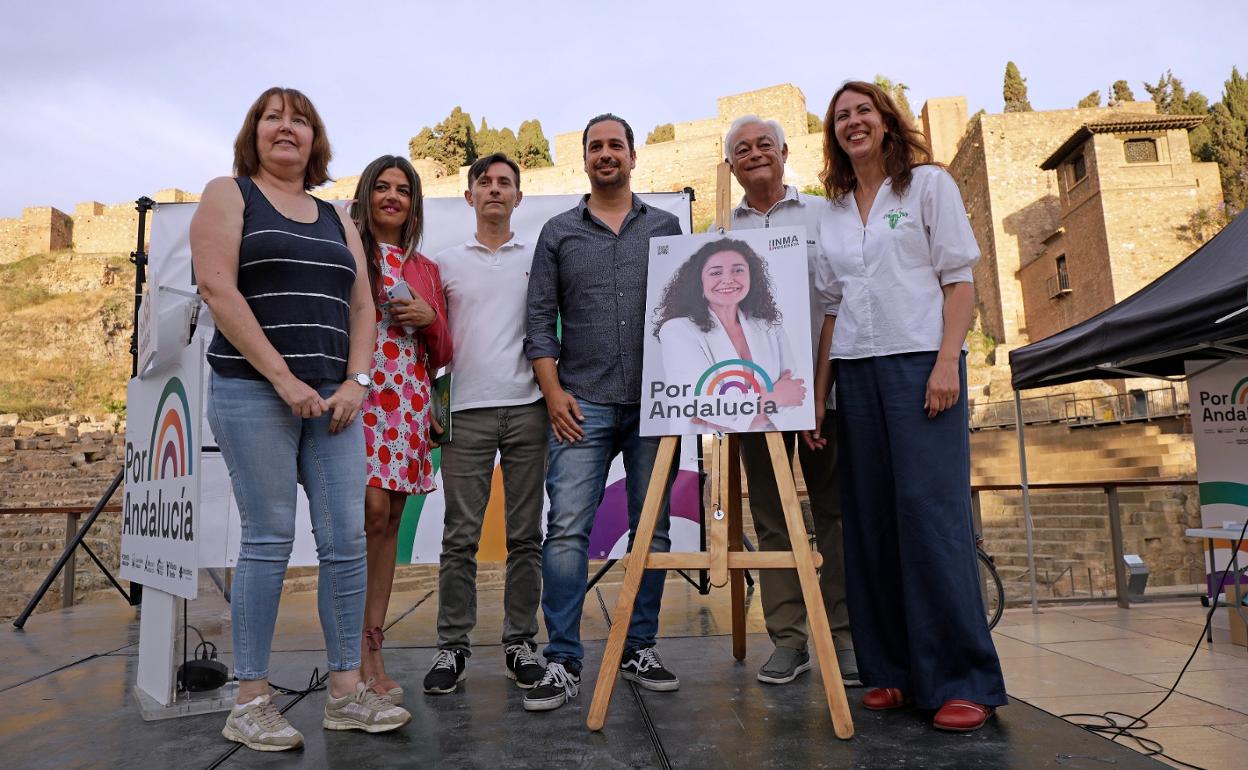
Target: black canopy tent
(1198, 309)
(1192, 311)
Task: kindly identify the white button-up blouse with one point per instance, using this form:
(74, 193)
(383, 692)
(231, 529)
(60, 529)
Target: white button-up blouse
(885, 277)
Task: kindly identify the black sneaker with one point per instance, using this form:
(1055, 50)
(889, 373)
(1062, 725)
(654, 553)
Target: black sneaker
(557, 685)
(523, 665)
(448, 670)
(643, 666)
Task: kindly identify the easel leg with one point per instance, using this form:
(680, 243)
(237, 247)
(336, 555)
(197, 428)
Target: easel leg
(636, 569)
(816, 613)
(736, 542)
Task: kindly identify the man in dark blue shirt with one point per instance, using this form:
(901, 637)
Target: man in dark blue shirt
(589, 271)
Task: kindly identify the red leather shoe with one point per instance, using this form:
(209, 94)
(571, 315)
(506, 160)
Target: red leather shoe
(962, 716)
(884, 699)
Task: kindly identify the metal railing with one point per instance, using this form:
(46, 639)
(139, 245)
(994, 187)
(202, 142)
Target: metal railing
(1113, 520)
(1132, 405)
(1091, 410)
(71, 514)
(1057, 284)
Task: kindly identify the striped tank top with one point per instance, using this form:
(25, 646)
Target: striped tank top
(297, 279)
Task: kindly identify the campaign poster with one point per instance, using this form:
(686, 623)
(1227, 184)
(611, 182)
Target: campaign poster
(728, 334)
(162, 473)
(1218, 394)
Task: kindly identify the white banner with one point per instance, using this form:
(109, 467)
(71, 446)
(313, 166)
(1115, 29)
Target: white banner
(728, 338)
(1219, 404)
(447, 221)
(161, 506)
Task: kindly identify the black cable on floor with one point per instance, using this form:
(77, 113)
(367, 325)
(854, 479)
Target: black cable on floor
(78, 662)
(651, 730)
(1148, 746)
(317, 682)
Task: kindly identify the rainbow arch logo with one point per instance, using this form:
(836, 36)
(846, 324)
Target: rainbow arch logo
(170, 447)
(1239, 393)
(733, 374)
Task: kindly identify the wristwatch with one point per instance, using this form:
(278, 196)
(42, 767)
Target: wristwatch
(359, 378)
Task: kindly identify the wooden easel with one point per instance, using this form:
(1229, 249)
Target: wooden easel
(725, 557)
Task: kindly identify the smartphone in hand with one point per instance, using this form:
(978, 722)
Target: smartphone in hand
(398, 291)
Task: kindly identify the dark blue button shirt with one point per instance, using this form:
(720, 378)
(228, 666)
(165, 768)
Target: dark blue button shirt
(594, 282)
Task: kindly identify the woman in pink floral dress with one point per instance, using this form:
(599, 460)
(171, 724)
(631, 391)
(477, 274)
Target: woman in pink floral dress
(413, 341)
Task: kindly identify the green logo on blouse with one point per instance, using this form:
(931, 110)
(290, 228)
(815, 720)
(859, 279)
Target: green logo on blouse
(894, 216)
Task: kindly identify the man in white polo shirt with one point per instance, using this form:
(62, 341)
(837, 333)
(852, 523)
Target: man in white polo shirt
(756, 151)
(497, 408)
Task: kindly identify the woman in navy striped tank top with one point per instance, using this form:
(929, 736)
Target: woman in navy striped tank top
(285, 278)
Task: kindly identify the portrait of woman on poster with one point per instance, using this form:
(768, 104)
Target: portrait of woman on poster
(720, 306)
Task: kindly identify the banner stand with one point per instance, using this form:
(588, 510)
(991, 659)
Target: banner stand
(158, 636)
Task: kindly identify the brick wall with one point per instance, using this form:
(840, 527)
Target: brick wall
(100, 229)
(969, 169)
(1025, 207)
(59, 461)
(39, 230)
(943, 122)
(1071, 526)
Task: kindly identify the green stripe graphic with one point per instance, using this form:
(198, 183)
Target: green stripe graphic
(1231, 492)
(411, 517)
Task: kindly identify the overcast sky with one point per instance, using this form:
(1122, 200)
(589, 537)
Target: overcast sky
(109, 101)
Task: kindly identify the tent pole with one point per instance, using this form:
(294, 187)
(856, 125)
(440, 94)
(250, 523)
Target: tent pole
(1022, 475)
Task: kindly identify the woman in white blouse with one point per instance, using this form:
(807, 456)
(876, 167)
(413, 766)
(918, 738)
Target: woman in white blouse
(719, 307)
(899, 253)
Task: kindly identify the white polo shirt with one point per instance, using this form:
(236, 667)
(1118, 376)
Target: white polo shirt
(887, 275)
(796, 209)
(486, 301)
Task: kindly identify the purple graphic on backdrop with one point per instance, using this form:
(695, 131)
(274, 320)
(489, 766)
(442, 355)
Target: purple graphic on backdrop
(611, 519)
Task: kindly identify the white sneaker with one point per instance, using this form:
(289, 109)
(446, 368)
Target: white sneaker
(258, 725)
(363, 710)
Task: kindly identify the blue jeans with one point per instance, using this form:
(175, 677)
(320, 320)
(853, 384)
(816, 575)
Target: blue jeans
(268, 451)
(914, 594)
(575, 479)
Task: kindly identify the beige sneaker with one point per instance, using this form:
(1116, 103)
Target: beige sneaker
(394, 696)
(258, 725)
(363, 710)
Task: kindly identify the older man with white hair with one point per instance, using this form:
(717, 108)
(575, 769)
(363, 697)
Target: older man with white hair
(756, 151)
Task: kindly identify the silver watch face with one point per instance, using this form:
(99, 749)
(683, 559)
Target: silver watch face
(361, 380)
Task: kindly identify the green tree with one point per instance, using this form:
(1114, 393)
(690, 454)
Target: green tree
(1228, 140)
(492, 140)
(423, 145)
(1014, 90)
(451, 142)
(664, 132)
(1121, 92)
(814, 123)
(1172, 98)
(458, 139)
(1091, 100)
(898, 92)
(532, 149)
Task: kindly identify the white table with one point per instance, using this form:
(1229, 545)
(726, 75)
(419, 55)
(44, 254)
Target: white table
(1213, 535)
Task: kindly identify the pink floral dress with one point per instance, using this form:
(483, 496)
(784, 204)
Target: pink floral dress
(396, 411)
